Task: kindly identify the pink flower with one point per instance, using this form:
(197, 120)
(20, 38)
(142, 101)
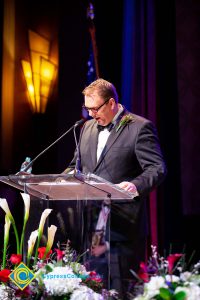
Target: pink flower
(172, 258)
(4, 275)
(60, 254)
(41, 252)
(15, 259)
(143, 274)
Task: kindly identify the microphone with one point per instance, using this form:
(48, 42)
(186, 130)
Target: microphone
(78, 123)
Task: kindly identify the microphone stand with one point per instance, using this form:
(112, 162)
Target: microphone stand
(78, 159)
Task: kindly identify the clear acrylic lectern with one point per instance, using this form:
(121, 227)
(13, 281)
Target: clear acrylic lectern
(76, 201)
(67, 187)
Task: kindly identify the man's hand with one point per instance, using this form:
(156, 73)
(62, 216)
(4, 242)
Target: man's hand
(98, 250)
(128, 186)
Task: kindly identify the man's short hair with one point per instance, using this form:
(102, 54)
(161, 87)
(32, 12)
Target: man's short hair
(104, 88)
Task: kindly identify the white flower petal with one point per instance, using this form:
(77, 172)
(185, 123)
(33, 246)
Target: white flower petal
(61, 281)
(5, 207)
(44, 215)
(85, 293)
(51, 234)
(32, 239)
(7, 226)
(172, 278)
(26, 198)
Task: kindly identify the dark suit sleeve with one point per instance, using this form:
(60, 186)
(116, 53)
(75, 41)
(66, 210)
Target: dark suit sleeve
(150, 158)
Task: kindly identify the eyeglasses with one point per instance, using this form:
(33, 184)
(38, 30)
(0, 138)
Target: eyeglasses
(94, 109)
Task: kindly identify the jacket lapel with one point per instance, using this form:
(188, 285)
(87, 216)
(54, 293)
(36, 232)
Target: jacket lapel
(111, 140)
(93, 144)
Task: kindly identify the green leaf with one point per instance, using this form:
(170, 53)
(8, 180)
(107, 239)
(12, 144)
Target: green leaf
(180, 296)
(48, 268)
(165, 294)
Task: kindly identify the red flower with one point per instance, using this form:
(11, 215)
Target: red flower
(142, 273)
(93, 273)
(41, 251)
(15, 259)
(23, 294)
(60, 254)
(94, 277)
(4, 275)
(172, 258)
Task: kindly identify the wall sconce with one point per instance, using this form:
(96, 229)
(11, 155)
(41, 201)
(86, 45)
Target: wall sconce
(40, 73)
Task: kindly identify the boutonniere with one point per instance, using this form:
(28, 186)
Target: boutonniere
(124, 120)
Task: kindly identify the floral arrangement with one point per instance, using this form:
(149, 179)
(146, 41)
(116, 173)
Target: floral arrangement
(57, 273)
(124, 120)
(167, 279)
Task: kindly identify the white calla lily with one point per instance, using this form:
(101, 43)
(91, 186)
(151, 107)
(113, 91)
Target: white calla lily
(31, 244)
(51, 234)
(32, 240)
(5, 207)
(6, 239)
(7, 226)
(26, 198)
(44, 216)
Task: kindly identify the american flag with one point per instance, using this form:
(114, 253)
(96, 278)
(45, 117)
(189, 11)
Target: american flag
(92, 63)
(91, 71)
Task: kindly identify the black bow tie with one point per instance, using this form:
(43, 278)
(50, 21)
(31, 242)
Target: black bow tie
(109, 127)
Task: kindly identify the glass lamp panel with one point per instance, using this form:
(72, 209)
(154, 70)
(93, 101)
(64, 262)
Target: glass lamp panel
(38, 43)
(26, 66)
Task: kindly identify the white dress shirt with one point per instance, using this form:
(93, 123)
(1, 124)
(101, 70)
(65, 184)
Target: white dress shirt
(104, 134)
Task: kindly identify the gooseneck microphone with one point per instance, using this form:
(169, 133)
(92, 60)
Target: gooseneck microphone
(78, 123)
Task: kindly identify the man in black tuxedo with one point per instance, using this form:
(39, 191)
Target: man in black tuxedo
(122, 148)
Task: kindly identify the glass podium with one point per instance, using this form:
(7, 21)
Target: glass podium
(76, 201)
(67, 186)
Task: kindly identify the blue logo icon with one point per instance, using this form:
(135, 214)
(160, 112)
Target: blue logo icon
(22, 276)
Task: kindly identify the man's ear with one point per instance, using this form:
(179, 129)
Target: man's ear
(112, 102)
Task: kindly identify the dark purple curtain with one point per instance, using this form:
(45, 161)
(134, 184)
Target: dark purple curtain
(188, 66)
(140, 66)
(160, 78)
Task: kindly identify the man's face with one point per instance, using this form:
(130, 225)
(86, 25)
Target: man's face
(105, 113)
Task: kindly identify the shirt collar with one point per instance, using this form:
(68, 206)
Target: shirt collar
(120, 110)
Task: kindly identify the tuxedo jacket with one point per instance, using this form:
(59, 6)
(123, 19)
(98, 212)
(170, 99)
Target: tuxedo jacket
(131, 153)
